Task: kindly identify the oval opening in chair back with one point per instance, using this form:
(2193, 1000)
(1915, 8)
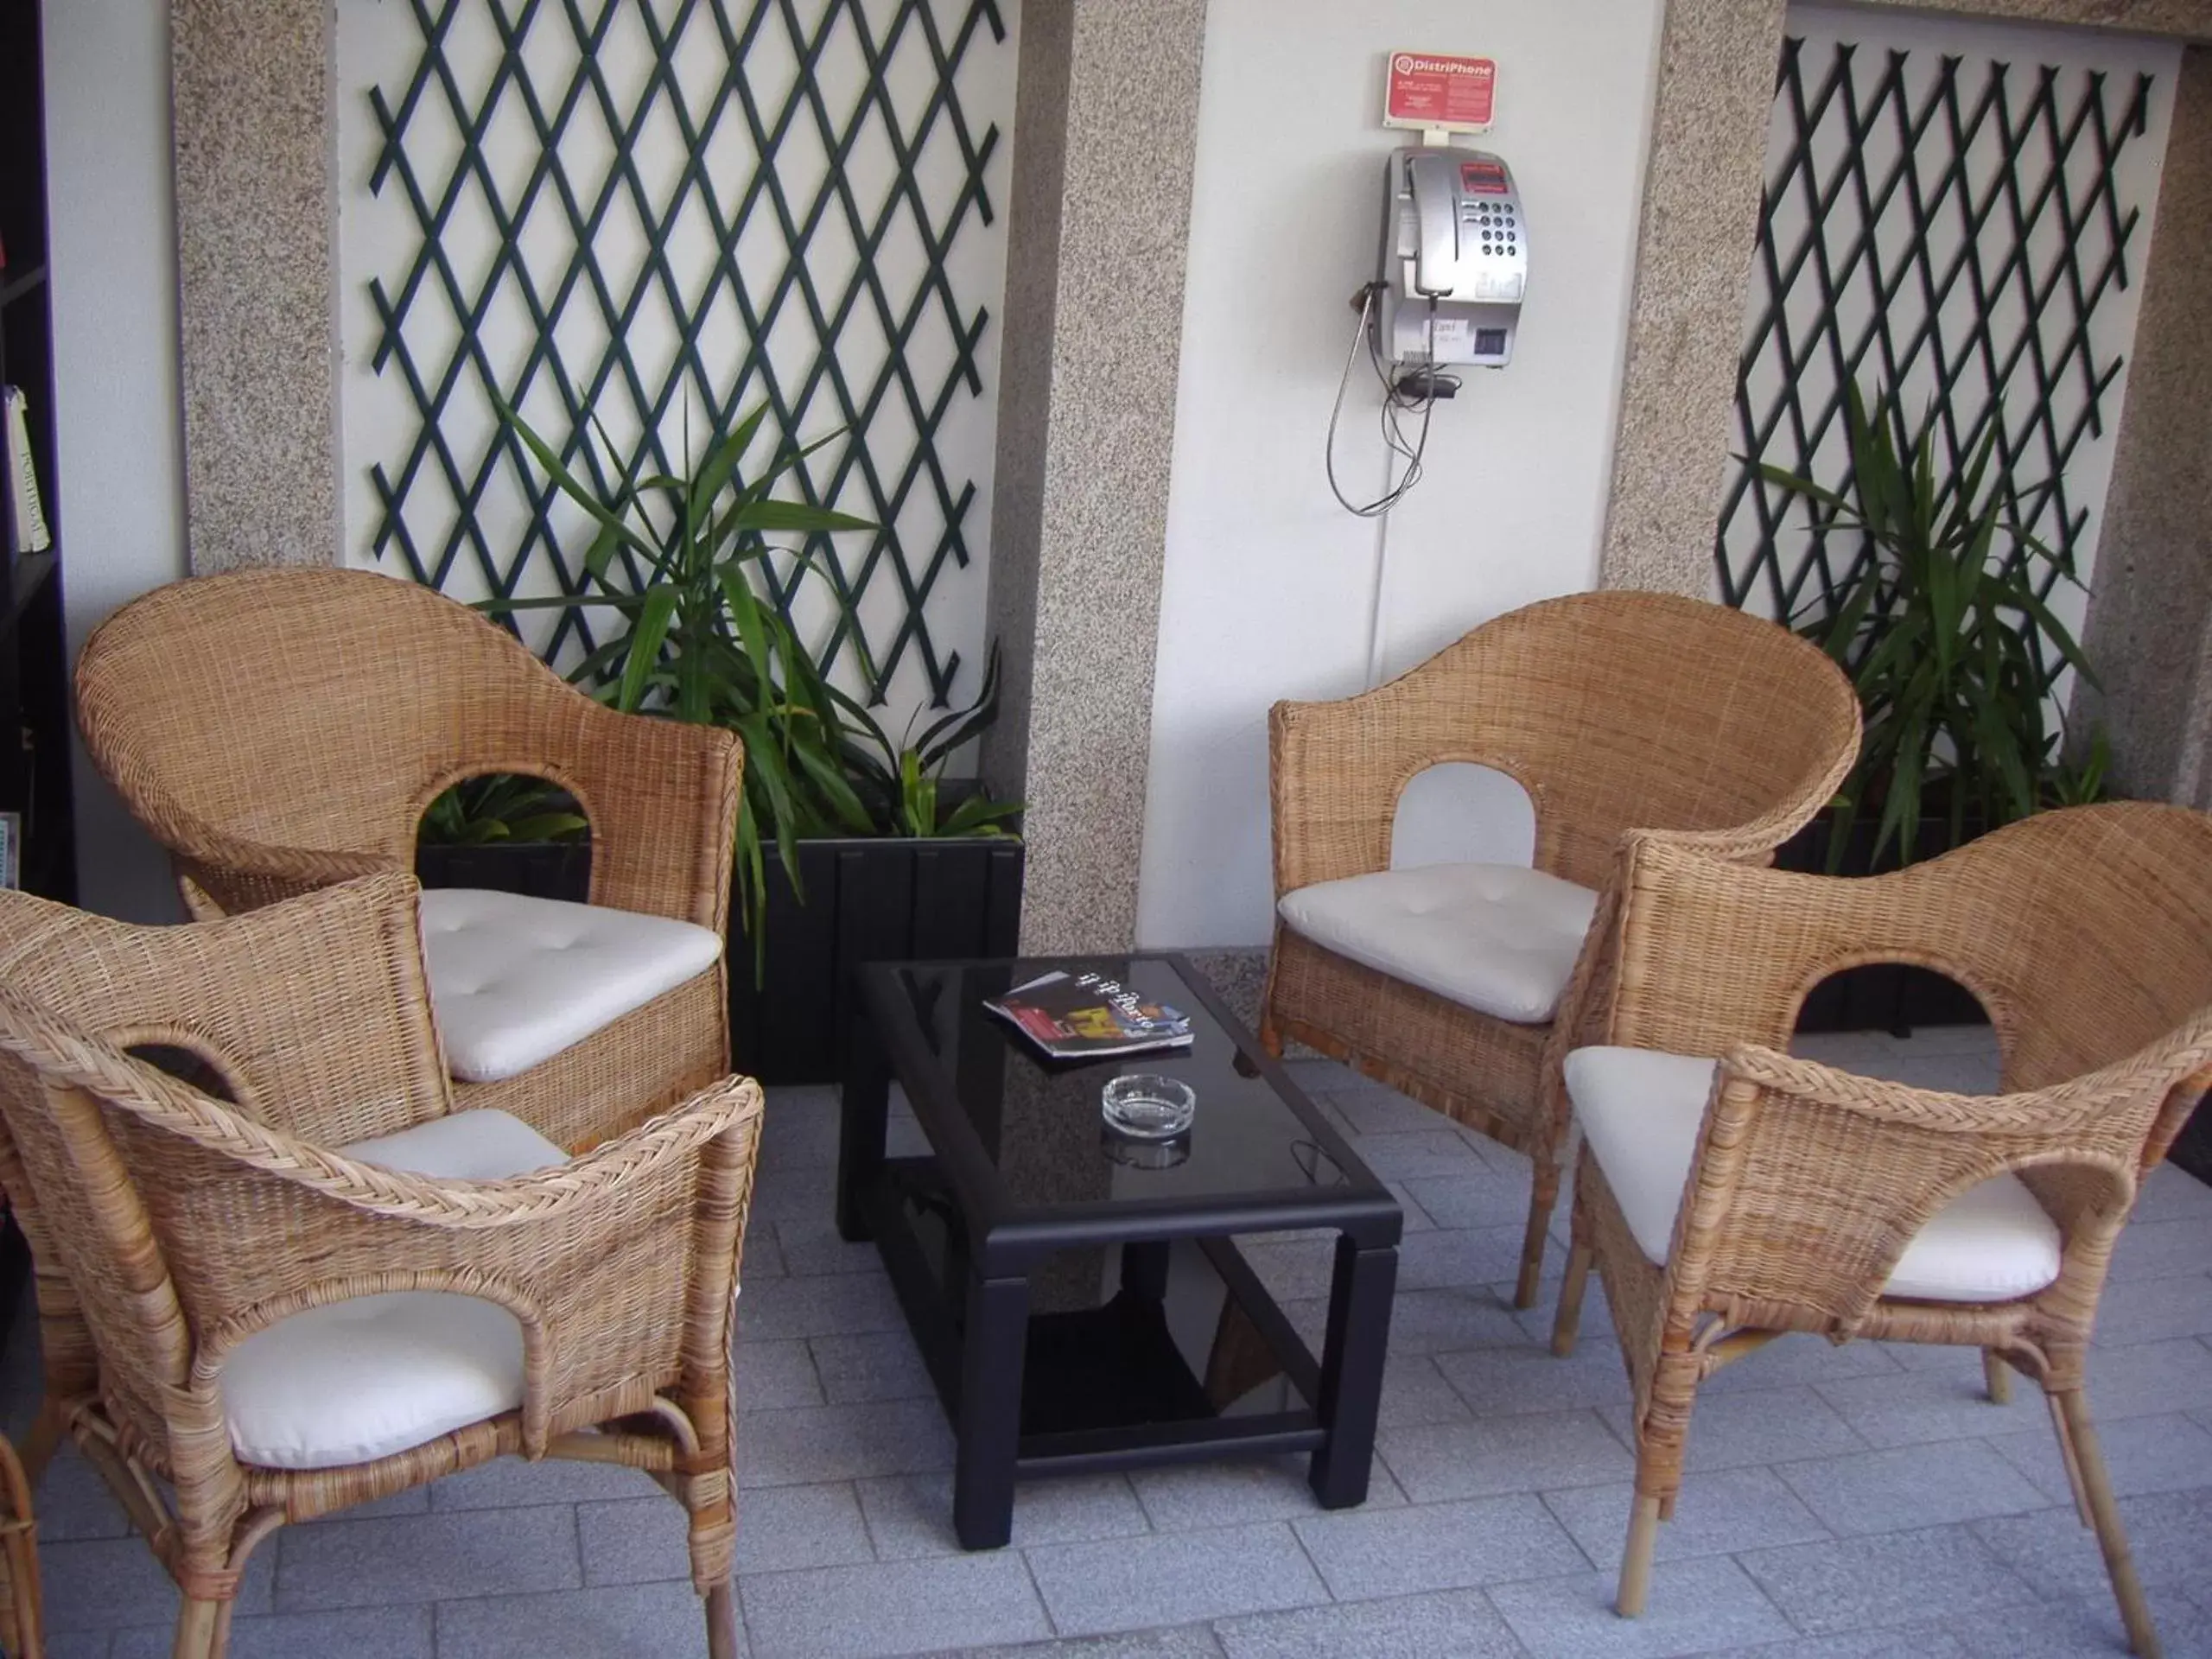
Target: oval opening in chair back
(1456, 812)
(1902, 1022)
(509, 833)
(188, 1065)
(1897, 998)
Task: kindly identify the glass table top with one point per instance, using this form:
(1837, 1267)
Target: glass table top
(1037, 1124)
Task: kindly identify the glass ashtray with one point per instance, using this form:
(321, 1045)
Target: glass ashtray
(1132, 1154)
(1147, 1107)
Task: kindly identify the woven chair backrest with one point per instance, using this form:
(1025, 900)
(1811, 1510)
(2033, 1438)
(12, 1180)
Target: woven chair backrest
(314, 709)
(310, 1015)
(1622, 710)
(2086, 934)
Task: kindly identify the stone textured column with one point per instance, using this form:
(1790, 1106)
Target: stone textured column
(256, 256)
(2149, 630)
(1702, 190)
(1105, 130)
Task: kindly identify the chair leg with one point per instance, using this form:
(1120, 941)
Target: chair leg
(201, 1628)
(1998, 1376)
(1543, 1192)
(28, 1616)
(2073, 1464)
(1660, 1439)
(2112, 1537)
(722, 1622)
(1568, 1324)
(1635, 1561)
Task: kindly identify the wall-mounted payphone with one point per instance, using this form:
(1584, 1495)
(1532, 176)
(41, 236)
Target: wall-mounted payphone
(1454, 260)
(1451, 273)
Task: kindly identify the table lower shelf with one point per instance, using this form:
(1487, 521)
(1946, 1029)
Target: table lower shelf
(1185, 1355)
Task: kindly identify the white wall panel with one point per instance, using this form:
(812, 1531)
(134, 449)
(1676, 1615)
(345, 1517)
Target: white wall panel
(1272, 590)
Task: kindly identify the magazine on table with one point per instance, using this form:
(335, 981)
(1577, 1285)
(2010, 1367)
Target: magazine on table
(1080, 1016)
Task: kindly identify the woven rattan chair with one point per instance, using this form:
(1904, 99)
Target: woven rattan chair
(281, 730)
(1725, 1204)
(331, 1285)
(1615, 711)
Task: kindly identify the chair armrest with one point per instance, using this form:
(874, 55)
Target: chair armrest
(220, 874)
(584, 1186)
(662, 798)
(1793, 1150)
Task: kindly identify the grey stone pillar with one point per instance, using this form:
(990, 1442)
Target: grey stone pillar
(2149, 630)
(1686, 322)
(257, 258)
(1105, 130)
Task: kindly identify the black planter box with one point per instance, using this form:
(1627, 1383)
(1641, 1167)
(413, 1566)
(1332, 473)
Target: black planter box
(871, 901)
(537, 869)
(1883, 996)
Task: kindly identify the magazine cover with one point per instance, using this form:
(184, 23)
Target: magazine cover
(1081, 1016)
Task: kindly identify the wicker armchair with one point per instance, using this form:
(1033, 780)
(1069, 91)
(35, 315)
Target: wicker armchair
(1457, 984)
(310, 1282)
(1813, 1200)
(281, 730)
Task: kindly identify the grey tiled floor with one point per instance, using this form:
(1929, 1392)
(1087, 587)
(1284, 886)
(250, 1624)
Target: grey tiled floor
(1843, 1501)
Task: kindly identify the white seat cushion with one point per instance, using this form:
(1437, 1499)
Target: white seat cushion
(363, 1379)
(480, 1146)
(1499, 939)
(514, 980)
(1641, 1110)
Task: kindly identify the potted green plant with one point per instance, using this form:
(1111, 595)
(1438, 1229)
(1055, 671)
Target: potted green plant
(1944, 632)
(1944, 635)
(697, 636)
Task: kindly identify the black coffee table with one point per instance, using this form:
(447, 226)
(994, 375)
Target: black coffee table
(1079, 1310)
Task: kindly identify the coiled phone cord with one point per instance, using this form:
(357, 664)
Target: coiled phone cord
(1394, 438)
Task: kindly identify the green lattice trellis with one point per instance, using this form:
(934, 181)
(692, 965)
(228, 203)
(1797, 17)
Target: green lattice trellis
(1956, 238)
(452, 147)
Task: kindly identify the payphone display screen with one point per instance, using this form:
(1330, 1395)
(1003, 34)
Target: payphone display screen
(1483, 178)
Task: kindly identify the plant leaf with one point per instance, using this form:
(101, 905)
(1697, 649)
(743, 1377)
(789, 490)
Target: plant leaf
(644, 647)
(610, 521)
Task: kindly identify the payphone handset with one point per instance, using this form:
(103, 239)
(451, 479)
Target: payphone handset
(1454, 266)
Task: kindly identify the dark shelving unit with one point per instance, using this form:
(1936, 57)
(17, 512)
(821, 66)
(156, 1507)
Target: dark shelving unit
(34, 649)
(33, 653)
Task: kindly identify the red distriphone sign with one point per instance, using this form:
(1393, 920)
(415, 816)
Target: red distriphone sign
(1439, 94)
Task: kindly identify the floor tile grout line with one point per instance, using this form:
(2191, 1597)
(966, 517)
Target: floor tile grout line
(1789, 1618)
(744, 1611)
(1044, 1606)
(1544, 1503)
(814, 1365)
(1498, 1612)
(1313, 1565)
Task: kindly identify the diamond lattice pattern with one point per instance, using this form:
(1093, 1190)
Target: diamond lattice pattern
(1961, 230)
(642, 218)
